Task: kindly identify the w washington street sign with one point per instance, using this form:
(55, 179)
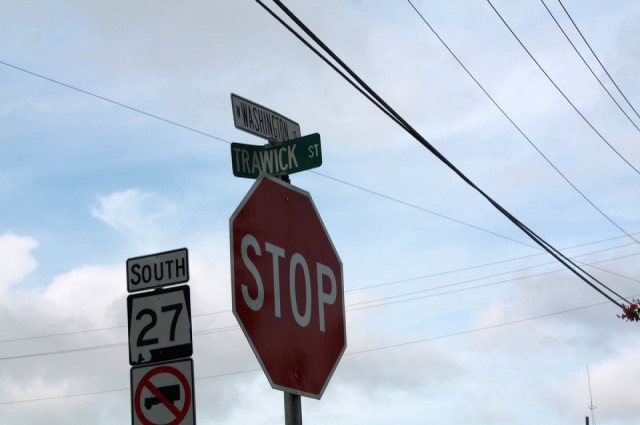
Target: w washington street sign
(262, 122)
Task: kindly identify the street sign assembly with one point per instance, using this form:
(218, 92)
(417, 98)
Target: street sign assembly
(163, 394)
(287, 287)
(161, 269)
(159, 325)
(262, 122)
(287, 157)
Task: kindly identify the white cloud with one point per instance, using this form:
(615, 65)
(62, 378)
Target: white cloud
(181, 61)
(143, 218)
(88, 296)
(94, 297)
(17, 260)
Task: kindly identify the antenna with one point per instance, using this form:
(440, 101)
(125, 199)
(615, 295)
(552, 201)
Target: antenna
(591, 406)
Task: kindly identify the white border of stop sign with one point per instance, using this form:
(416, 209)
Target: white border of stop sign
(285, 298)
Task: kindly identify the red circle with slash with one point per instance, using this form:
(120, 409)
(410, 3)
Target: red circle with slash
(179, 414)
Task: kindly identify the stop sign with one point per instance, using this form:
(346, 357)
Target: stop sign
(287, 287)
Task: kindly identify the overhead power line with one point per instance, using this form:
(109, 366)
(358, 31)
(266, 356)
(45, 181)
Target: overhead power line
(379, 302)
(575, 108)
(381, 104)
(203, 133)
(560, 173)
(351, 353)
(586, 277)
(598, 59)
(106, 99)
(388, 283)
(420, 294)
(473, 226)
(588, 66)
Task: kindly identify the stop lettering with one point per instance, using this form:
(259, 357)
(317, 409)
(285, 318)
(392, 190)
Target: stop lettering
(297, 263)
(287, 287)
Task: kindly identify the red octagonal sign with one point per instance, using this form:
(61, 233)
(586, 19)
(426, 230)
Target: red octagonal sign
(287, 288)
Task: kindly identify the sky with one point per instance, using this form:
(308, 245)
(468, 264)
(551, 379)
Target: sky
(116, 126)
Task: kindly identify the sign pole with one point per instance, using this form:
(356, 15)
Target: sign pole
(292, 409)
(292, 402)
(282, 176)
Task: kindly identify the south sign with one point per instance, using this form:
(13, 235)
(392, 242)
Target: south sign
(155, 270)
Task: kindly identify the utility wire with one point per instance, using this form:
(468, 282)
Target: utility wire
(574, 268)
(381, 104)
(484, 328)
(370, 191)
(598, 59)
(225, 141)
(88, 93)
(351, 353)
(52, 80)
(379, 302)
(364, 189)
(575, 108)
(588, 66)
(362, 91)
(415, 295)
(560, 173)
(384, 284)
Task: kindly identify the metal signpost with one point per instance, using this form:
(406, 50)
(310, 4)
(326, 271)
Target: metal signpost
(287, 289)
(160, 339)
(287, 157)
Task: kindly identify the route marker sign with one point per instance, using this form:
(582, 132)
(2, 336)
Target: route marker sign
(163, 394)
(287, 287)
(159, 325)
(262, 122)
(161, 269)
(287, 157)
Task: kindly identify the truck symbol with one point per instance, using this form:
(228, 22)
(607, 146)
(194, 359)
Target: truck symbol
(170, 392)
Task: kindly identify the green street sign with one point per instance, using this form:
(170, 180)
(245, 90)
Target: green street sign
(288, 157)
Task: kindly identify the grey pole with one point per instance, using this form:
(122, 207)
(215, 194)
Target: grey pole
(292, 409)
(275, 143)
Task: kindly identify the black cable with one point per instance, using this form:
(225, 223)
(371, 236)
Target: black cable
(574, 268)
(396, 118)
(333, 66)
(566, 179)
(598, 59)
(588, 66)
(575, 108)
